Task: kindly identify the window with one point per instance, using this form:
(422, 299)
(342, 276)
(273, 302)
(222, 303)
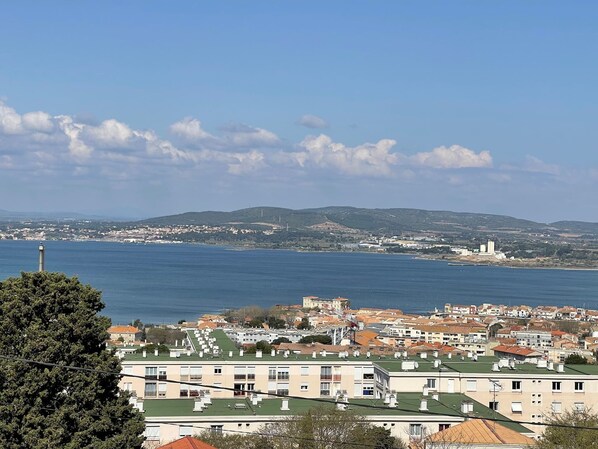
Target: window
(516, 385)
(431, 383)
(442, 427)
(556, 386)
(218, 370)
(472, 385)
(305, 370)
(415, 430)
(368, 390)
(493, 405)
(250, 372)
(151, 372)
(516, 407)
(368, 373)
(238, 388)
(127, 369)
(151, 390)
(128, 386)
(217, 428)
(272, 373)
(579, 406)
(304, 387)
(152, 433)
(283, 373)
(185, 431)
(325, 389)
(184, 373)
(579, 386)
(162, 390)
(184, 391)
(240, 373)
(195, 373)
(282, 388)
(557, 407)
(162, 373)
(326, 372)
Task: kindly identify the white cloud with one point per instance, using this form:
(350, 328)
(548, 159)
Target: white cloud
(241, 135)
(10, 121)
(366, 159)
(110, 133)
(454, 156)
(38, 121)
(312, 121)
(533, 164)
(189, 128)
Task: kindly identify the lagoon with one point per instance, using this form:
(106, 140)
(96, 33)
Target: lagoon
(164, 283)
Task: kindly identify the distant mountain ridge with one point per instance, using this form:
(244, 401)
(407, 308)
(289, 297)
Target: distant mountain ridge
(388, 221)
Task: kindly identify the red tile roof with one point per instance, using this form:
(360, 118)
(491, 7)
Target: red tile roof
(187, 443)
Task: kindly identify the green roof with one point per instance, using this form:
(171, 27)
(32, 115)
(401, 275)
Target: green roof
(449, 404)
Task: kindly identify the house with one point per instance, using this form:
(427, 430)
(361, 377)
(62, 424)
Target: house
(126, 334)
(477, 434)
(187, 442)
(518, 353)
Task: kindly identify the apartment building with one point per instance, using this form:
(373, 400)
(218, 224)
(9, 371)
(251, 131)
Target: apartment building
(168, 385)
(336, 304)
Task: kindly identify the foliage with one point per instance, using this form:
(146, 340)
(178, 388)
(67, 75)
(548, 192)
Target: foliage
(576, 359)
(327, 428)
(233, 441)
(280, 340)
(151, 348)
(276, 323)
(324, 339)
(52, 318)
(164, 335)
(568, 437)
(304, 324)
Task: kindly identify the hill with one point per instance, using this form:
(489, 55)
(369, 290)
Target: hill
(386, 221)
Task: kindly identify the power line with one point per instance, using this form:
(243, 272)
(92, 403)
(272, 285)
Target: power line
(286, 396)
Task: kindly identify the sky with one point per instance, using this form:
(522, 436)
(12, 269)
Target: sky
(139, 109)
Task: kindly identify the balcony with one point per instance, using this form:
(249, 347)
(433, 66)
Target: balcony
(336, 378)
(326, 376)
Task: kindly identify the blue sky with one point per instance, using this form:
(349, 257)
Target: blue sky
(150, 108)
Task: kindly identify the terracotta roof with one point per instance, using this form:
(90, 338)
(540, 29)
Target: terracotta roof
(187, 443)
(481, 431)
(516, 350)
(123, 330)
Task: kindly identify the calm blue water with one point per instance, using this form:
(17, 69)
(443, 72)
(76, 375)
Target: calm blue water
(166, 283)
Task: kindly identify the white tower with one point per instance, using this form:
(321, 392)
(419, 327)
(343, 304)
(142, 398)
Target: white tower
(41, 258)
(490, 247)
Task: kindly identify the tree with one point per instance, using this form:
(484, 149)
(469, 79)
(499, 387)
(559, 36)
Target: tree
(569, 437)
(304, 324)
(327, 428)
(48, 317)
(576, 359)
(280, 340)
(324, 339)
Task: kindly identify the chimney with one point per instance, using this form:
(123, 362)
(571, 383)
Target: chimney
(41, 258)
(387, 398)
(424, 355)
(258, 354)
(207, 398)
(560, 368)
(156, 352)
(426, 390)
(551, 365)
(201, 354)
(273, 352)
(285, 405)
(198, 405)
(423, 405)
(367, 354)
(437, 363)
(230, 353)
(254, 400)
(495, 367)
(241, 353)
(314, 355)
(393, 401)
(435, 354)
(144, 353)
(435, 396)
(450, 355)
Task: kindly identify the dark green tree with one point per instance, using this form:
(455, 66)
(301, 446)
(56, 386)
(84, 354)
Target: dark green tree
(280, 340)
(304, 324)
(324, 339)
(576, 359)
(51, 318)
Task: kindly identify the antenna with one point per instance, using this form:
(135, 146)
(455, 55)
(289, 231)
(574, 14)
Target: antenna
(41, 258)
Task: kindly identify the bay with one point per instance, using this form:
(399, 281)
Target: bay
(169, 282)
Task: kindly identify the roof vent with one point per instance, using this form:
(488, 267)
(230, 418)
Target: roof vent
(423, 405)
(285, 405)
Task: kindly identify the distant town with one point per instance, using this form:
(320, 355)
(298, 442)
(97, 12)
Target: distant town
(518, 363)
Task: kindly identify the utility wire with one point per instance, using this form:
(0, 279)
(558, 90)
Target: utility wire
(287, 396)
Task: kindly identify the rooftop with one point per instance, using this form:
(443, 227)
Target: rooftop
(449, 405)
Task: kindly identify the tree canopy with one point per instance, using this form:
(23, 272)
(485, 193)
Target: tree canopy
(558, 437)
(49, 317)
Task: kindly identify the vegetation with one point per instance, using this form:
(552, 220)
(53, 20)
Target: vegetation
(163, 335)
(304, 324)
(152, 347)
(569, 437)
(319, 428)
(576, 359)
(324, 339)
(51, 318)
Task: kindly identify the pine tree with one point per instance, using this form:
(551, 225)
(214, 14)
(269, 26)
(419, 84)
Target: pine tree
(50, 317)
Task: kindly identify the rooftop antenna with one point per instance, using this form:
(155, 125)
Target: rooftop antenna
(41, 258)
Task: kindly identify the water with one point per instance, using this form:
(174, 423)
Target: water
(167, 283)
